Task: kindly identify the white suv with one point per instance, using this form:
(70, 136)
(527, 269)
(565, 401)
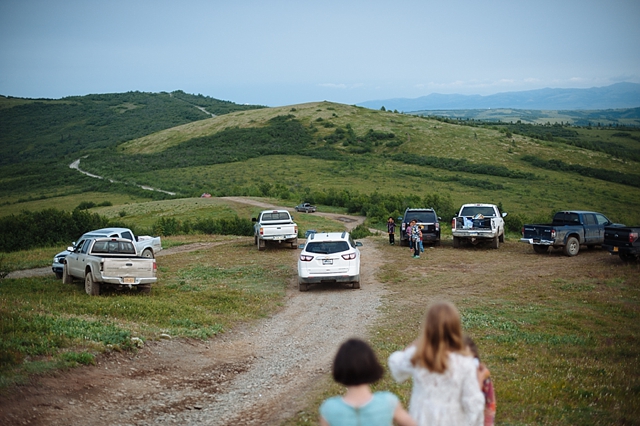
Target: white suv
(329, 257)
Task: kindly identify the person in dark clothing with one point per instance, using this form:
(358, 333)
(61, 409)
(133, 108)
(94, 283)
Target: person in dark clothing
(391, 229)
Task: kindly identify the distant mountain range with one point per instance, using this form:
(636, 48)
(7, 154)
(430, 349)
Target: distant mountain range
(619, 95)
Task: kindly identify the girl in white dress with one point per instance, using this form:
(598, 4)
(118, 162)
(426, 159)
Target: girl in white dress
(446, 382)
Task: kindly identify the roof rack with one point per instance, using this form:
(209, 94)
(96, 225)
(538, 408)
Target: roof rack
(343, 234)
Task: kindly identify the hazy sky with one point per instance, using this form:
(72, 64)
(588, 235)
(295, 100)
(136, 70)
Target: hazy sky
(286, 52)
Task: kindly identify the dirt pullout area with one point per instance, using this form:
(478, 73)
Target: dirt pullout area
(349, 222)
(253, 375)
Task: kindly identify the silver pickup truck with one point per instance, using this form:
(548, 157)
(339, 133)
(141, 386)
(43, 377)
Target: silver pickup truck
(113, 262)
(145, 245)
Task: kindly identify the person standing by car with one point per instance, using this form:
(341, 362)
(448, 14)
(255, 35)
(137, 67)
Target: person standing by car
(391, 229)
(416, 238)
(409, 231)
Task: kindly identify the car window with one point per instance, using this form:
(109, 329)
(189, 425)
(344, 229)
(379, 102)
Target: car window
(475, 210)
(421, 217)
(589, 219)
(85, 246)
(602, 219)
(327, 247)
(566, 218)
(276, 216)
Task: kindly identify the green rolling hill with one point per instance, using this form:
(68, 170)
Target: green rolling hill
(313, 151)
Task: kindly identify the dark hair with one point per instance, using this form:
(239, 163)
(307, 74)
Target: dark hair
(356, 364)
(469, 343)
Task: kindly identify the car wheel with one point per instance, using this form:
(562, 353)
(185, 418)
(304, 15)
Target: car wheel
(302, 286)
(91, 287)
(356, 284)
(262, 244)
(456, 242)
(502, 237)
(58, 275)
(255, 240)
(573, 247)
(540, 249)
(66, 278)
(145, 288)
(147, 253)
(495, 243)
(294, 244)
(628, 257)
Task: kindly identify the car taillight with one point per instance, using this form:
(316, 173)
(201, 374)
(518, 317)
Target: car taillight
(261, 231)
(349, 256)
(295, 229)
(306, 258)
(155, 266)
(522, 231)
(553, 233)
(437, 226)
(633, 236)
(453, 223)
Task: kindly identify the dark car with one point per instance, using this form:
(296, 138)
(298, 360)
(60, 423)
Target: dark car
(430, 222)
(305, 207)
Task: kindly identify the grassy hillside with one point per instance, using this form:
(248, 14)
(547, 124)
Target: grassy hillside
(303, 151)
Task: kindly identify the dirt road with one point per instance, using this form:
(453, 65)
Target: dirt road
(255, 375)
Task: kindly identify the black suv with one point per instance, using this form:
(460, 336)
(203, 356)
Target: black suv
(430, 225)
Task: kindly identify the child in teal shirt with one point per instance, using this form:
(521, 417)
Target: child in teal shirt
(356, 367)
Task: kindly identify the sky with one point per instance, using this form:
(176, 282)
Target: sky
(277, 53)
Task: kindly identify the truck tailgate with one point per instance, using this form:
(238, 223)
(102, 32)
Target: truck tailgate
(132, 267)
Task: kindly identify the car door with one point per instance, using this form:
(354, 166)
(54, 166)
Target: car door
(75, 259)
(591, 229)
(602, 221)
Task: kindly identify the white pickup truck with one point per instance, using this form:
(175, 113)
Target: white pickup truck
(477, 223)
(145, 245)
(274, 225)
(111, 262)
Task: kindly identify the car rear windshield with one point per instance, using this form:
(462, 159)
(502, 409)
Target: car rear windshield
(276, 216)
(421, 217)
(566, 218)
(327, 247)
(476, 210)
(113, 247)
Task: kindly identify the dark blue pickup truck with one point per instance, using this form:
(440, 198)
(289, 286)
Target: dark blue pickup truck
(568, 231)
(623, 241)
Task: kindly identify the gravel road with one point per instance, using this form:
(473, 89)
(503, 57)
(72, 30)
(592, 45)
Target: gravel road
(257, 374)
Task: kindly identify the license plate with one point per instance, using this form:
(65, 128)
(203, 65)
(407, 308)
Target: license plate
(327, 261)
(129, 280)
(615, 249)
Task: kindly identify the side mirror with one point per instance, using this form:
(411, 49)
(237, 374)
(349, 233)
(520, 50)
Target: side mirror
(253, 219)
(358, 244)
(71, 248)
(439, 218)
(301, 246)
(504, 214)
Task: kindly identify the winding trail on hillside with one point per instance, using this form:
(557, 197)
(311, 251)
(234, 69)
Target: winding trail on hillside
(76, 166)
(255, 374)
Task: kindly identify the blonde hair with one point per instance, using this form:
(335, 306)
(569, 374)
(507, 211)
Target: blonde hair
(441, 335)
